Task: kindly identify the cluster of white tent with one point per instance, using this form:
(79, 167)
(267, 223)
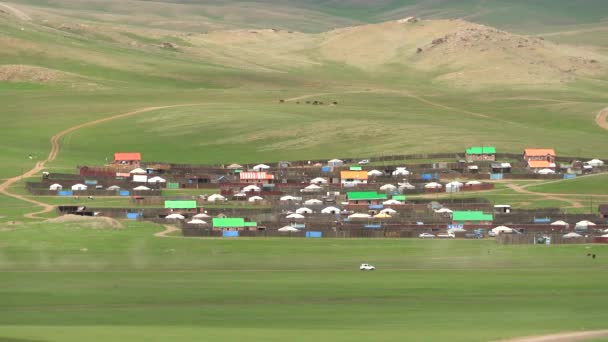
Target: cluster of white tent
(196, 219)
(83, 187)
(300, 212)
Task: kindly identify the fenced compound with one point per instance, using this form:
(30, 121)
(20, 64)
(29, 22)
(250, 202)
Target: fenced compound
(536, 239)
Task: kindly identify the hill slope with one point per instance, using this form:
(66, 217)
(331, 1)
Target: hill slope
(523, 16)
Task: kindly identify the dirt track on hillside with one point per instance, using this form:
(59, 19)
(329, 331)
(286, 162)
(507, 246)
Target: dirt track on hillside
(601, 118)
(168, 230)
(562, 337)
(547, 196)
(55, 148)
(399, 92)
(16, 12)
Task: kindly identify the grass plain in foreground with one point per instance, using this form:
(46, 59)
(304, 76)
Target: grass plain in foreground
(65, 283)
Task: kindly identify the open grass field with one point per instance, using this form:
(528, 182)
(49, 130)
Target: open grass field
(597, 185)
(66, 63)
(64, 283)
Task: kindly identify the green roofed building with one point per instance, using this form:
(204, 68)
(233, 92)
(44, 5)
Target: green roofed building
(399, 197)
(224, 223)
(355, 168)
(180, 204)
(480, 153)
(462, 217)
(365, 197)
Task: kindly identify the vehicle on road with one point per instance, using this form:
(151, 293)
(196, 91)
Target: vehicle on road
(492, 234)
(364, 162)
(426, 236)
(367, 267)
(446, 236)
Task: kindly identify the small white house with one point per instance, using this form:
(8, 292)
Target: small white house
(330, 210)
(335, 163)
(304, 211)
(318, 181)
(261, 167)
(401, 171)
(312, 188)
(156, 179)
(375, 173)
(249, 188)
(113, 188)
(138, 171)
(595, 163)
(79, 187)
(313, 201)
(433, 185)
(388, 187)
(216, 198)
(55, 187)
(141, 188)
(255, 199)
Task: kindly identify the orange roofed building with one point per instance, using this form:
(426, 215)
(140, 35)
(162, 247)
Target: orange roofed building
(131, 158)
(353, 177)
(540, 158)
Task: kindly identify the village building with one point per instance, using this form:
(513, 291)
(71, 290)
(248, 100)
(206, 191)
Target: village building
(178, 204)
(501, 167)
(352, 178)
(232, 224)
(481, 153)
(471, 217)
(540, 158)
(366, 197)
(256, 177)
(131, 158)
(603, 210)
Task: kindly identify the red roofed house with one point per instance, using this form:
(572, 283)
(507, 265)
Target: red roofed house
(132, 159)
(540, 158)
(256, 177)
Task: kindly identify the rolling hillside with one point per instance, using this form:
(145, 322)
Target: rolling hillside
(477, 84)
(521, 16)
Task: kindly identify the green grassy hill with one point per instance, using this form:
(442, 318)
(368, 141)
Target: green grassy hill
(524, 16)
(69, 283)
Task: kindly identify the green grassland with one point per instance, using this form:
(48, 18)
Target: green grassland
(319, 15)
(582, 185)
(62, 283)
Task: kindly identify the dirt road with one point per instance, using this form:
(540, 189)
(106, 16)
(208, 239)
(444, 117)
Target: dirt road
(399, 92)
(562, 337)
(522, 190)
(55, 148)
(602, 118)
(168, 230)
(16, 12)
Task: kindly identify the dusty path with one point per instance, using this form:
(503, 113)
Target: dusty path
(562, 337)
(16, 12)
(400, 92)
(55, 148)
(522, 190)
(601, 118)
(168, 230)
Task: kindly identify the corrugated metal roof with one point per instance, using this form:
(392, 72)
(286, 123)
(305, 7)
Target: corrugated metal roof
(540, 164)
(228, 222)
(461, 216)
(365, 196)
(123, 156)
(256, 176)
(536, 152)
(180, 204)
(481, 150)
(360, 175)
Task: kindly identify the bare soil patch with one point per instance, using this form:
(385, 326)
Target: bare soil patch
(95, 222)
